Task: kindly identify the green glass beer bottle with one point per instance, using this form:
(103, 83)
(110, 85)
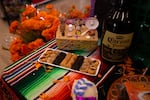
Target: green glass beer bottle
(118, 33)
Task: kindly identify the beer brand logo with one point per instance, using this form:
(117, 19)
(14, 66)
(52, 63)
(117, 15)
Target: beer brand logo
(118, 40)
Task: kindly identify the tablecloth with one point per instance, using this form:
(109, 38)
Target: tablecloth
(21, 80)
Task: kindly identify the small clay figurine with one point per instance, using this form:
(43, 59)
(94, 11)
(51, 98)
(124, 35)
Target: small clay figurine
(78, 26)
(62, 25)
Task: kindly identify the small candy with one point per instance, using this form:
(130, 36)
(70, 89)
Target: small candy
(78, 63)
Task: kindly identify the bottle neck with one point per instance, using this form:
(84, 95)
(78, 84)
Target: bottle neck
(123, 5)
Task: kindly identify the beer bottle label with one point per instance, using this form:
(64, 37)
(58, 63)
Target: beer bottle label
(115, 46)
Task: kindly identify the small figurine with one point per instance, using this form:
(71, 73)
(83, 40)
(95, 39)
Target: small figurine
(62, 24)
(78, 26)
(78, 30)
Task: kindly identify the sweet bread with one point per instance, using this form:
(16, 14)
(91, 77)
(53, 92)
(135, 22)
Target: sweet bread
(78, 63)
(49, 56)
(85, 66)
(91, 71)
(59, 58)
(66, 60)
(93, 67)
(72, 60)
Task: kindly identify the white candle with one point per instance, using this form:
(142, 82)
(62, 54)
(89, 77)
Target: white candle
(70, 27)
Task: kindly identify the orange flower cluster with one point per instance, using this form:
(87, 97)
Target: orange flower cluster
(35, 28)
(29, 12)
(73, 12)
(18, 48)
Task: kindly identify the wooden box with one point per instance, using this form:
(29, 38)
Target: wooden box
(72, 40)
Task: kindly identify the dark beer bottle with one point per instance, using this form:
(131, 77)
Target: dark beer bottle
(118, 33)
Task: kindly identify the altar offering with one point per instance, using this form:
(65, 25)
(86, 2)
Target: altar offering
(78, 35)
(70, 61)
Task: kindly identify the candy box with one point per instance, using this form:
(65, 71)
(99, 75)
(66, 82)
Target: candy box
(76, 38)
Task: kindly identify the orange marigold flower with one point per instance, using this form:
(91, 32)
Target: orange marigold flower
(30, 11)
(46, 34)
(54, 12)
(73, 6)
(13, 26)
(49, 6)
(50, 33)
(35, 44)
(73, 12)
(15, 45)
(19, 49)
(87, 11)
(42, 14)
(88, 7)
(24, 49)
(50, 18)
(15, 57)
(15, 49)
(38, 24)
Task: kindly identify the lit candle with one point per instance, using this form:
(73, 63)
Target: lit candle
(70, 27)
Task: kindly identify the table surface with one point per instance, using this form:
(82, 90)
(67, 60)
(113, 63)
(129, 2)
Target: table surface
(18, 73)
(25, 67)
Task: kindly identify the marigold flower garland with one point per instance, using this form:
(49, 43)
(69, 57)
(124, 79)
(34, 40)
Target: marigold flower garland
(36, 27)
